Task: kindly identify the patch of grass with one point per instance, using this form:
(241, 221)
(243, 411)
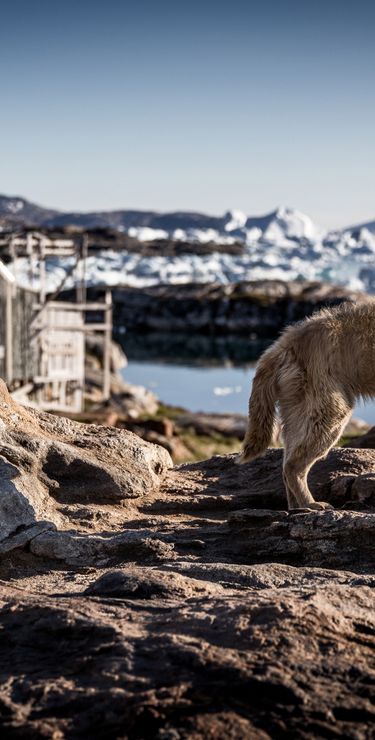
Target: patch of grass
(202, 446)
(171, 412)
(346, 438)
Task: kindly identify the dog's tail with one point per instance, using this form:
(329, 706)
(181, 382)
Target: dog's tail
(261, 407)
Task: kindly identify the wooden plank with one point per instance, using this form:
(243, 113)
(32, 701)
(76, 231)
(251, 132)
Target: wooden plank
(6, 274)
(80, 306)
(9, 334)
(107, 349)
(84, 328)
(42, 379)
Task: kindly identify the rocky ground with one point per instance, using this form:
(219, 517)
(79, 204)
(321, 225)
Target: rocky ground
(141, 600)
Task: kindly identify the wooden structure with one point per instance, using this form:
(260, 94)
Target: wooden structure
(17, 306)
(47, 369)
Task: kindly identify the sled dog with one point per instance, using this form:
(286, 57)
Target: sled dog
(315, 372)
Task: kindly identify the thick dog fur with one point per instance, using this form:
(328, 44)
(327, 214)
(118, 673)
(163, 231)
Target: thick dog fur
(315, 372)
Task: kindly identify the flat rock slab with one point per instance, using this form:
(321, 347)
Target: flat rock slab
(326, 538)
(263, 664)
(260, 482)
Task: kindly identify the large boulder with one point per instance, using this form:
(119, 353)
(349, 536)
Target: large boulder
(46, 462)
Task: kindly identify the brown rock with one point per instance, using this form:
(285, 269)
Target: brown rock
(47, 461)
(149, 583)
(257, 664)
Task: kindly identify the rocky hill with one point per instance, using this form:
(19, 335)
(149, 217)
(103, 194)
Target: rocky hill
(17, 210)
(255, 309)
(281, 224)
(140, 600)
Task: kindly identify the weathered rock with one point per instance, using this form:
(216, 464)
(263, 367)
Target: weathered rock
(24, 500)
(75, 548)
(46, 461)
(260, 664)
(260, 484)
(148, 583)
(242, 510)
(328, 539)
(268, 575)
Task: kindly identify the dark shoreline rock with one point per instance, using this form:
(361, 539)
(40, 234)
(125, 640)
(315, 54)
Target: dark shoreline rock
(260, 309)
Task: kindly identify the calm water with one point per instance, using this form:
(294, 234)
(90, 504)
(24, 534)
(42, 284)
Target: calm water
(209, 379)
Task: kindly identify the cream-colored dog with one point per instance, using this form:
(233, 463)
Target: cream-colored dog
(315, 371)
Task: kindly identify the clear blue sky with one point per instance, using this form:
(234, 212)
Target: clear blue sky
(190, 105)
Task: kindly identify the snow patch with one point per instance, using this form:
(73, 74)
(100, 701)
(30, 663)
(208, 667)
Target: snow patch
(14, 206)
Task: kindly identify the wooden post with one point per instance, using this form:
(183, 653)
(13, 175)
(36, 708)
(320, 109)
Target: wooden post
(9, 334)
(107, 347)
(81, 283)
(13, 255)
(9, 283)
(30, 254)
(42, 270)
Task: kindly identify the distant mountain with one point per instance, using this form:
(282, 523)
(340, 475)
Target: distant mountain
(15, 210)
(283, 225)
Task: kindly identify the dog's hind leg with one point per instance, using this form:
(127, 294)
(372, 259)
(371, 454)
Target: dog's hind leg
(310, 430)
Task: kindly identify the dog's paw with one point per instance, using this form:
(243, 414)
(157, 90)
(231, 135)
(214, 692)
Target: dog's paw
(238, 460)
(320, 506)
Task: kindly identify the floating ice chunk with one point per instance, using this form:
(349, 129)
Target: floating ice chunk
(234, 220)
(146, 234)
(226, 390)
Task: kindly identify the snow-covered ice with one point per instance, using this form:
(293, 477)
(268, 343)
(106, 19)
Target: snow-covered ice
(284, 245)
